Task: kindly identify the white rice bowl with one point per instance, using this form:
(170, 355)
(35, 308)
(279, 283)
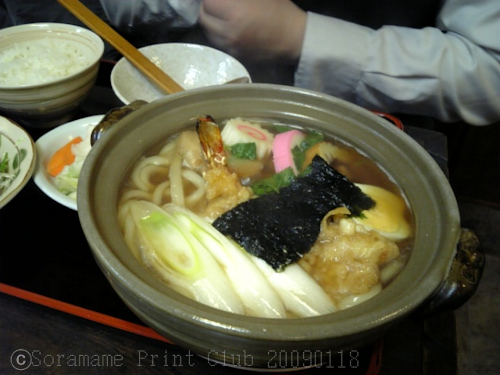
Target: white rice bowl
(46, 71)
(28, 63)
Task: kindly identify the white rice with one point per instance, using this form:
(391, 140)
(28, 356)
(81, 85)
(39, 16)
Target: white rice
(45, 60)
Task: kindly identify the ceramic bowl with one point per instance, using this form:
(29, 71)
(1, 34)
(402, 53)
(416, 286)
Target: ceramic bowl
(190, 65)
(17, 159)
(52, 141)
(63, 65)
(222, 336)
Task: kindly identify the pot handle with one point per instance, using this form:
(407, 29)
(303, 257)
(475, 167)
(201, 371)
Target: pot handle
(462, 280)
(112, 117)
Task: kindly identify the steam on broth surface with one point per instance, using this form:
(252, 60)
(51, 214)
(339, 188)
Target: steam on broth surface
(177, 191)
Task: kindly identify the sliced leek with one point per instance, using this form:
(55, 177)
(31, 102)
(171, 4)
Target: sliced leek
(178, 258)
(257, 294)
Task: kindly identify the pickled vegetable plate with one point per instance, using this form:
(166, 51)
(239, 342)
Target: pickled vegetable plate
(52, 141)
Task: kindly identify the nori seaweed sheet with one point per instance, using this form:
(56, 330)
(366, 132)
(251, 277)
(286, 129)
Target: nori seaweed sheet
(279, 228)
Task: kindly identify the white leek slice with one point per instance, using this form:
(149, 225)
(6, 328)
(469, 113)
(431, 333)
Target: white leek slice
(300, 293)
(255, 291)
(179, 258)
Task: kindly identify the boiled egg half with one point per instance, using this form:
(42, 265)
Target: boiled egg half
(387, 216)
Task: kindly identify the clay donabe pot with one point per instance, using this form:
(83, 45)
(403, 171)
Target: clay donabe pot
(227, 337)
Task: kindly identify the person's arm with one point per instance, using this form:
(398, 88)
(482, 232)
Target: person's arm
(129, 15)
(450, 73)
(262, 29)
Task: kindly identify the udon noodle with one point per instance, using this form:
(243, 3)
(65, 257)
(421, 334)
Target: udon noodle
(352, 259)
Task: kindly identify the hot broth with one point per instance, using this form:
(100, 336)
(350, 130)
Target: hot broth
(353, 258)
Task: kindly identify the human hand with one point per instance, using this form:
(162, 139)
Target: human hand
(260, 29)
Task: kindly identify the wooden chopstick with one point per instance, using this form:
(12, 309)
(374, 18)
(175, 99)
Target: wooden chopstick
(82, 312)
(132, 54)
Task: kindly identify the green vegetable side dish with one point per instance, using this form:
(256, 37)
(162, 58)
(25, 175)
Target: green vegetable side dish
(11, 158)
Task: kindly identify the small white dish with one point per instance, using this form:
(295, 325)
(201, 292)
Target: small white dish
(190, 65)
(49, 143)
(18, 145)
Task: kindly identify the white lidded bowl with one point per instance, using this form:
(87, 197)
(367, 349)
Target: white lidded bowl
(190, 65)
(74, 50)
